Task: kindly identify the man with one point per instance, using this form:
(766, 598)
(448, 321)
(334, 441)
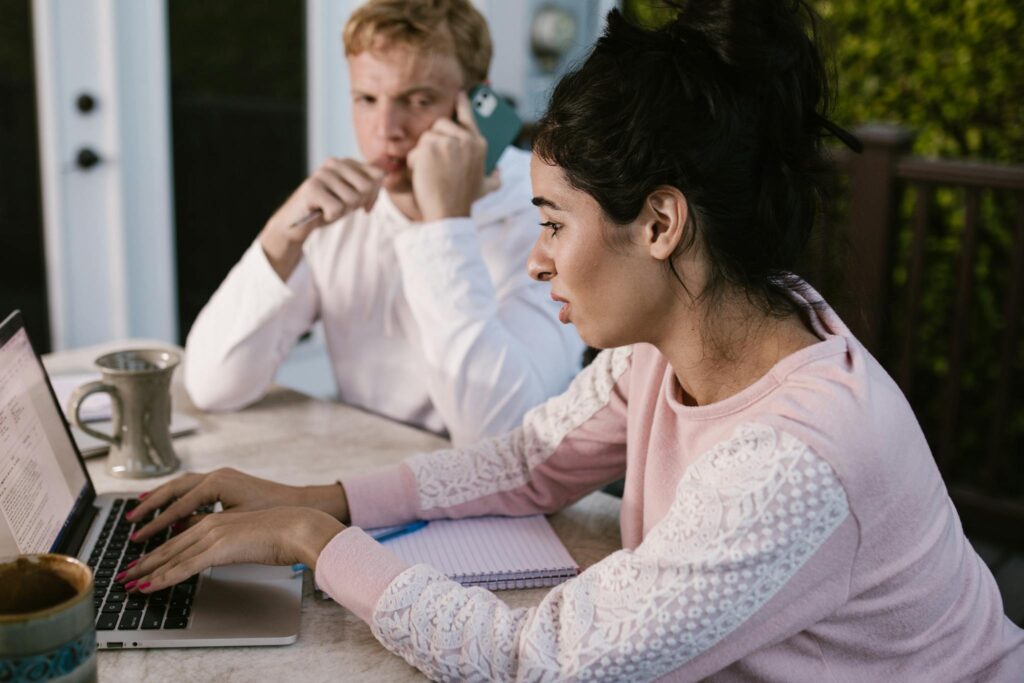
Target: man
(415, 262)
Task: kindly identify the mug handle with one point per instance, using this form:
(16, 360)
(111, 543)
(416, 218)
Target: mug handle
(75, 405)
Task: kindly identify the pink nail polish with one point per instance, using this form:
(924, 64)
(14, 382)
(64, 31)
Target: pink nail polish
(130, 585)
(128, 515)
(142, 496)
(133, 536)
(132, 564)
(144, 586)
(120, 576)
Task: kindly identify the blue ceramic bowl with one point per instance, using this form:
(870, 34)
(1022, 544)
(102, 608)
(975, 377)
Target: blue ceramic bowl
(47, 619)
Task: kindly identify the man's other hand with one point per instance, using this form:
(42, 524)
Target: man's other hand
(334, 190)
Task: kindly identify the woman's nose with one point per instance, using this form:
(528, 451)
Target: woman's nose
(540, 266)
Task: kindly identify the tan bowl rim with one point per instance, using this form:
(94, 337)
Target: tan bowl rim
(52, 609)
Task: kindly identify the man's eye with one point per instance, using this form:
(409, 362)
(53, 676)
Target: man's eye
(365, 99)
(555, 227)
(423, 103)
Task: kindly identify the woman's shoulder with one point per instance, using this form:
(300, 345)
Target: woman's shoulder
(848, 411)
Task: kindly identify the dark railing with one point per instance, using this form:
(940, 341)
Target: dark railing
(984, 476)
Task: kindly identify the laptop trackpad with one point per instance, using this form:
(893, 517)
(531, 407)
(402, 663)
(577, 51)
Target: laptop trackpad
(237, 604)
(251, 572)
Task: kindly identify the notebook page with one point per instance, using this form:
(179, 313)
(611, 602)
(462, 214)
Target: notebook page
(484, 549)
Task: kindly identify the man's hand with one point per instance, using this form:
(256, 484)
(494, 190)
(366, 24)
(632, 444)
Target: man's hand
(447, 165)
(337, 188)
(236, 492)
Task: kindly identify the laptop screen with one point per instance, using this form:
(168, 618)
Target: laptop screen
(41, 476)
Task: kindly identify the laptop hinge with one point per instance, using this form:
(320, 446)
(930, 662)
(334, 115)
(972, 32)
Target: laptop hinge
(77, 534)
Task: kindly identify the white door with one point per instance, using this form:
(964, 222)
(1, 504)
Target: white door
(105, 126)
(101, 70)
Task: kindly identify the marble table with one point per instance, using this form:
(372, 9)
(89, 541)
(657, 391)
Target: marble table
(292, 438)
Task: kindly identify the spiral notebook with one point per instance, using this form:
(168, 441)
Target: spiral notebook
(497, 553)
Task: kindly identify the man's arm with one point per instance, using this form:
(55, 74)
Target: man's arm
(244, 333)
(492, 350)
(492, 346)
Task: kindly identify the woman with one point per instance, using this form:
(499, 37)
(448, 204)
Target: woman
(782, 518)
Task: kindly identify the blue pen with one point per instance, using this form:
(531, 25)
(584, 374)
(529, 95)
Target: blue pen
(387, 533)
(381, 534)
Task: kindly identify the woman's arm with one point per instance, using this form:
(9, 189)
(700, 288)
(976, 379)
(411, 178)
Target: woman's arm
(565, 448)
(757, 545)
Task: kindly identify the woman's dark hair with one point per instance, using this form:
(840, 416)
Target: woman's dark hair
(728, 102)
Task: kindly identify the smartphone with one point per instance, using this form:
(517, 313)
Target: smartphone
(497, 121)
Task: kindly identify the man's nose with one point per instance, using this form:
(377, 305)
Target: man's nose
(540, 266)
(390, 122)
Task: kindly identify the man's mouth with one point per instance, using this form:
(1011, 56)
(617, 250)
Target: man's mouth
(389, 163)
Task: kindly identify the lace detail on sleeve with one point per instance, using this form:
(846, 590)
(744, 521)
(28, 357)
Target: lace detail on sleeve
(453, 476)
(747, 515)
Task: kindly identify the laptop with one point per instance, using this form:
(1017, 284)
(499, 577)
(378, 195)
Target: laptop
(48, 504)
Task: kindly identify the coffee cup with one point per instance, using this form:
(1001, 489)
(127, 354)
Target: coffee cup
(47, 619)
(139, 384)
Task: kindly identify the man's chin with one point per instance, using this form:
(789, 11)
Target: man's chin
(398, 182)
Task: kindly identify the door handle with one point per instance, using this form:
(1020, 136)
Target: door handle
(86, 158)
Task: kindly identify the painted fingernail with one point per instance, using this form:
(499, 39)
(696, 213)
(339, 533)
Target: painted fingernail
(144, 586)
(128, 515)
(121, 575)
(133, 536)
(142, 496)
(130, 585)
(132, 563)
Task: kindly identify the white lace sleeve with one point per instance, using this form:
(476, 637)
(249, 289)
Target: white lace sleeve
(747, 515)
(450, 477)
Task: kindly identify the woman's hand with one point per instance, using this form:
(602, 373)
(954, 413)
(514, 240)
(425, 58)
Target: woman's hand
(277, 536)
(236, 491)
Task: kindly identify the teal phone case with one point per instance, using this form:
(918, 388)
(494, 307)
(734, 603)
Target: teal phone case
(497, 121)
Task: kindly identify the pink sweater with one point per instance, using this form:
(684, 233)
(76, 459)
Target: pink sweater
(796, 531)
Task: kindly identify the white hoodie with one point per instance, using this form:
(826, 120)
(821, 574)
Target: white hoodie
(435, 324)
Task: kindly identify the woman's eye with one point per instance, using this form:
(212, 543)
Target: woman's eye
(555, 227)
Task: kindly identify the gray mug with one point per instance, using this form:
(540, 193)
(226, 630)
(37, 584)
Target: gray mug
(47, 630)
(139, 384)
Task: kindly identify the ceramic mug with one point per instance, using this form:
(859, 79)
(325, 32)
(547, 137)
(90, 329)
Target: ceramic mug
(47, 619)
(139, 384)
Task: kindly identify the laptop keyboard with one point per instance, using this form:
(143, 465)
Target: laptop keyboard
(115, 607)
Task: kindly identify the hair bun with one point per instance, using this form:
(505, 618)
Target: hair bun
(727, 101)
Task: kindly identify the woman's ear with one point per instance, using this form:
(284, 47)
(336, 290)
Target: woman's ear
(667, 211)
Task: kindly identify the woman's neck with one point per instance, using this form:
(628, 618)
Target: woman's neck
(730, 349)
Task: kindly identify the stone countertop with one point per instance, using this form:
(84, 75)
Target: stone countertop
(292, 438)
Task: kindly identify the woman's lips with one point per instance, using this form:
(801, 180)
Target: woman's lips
(563, 314)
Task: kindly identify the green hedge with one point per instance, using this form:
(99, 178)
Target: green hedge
(953, 73)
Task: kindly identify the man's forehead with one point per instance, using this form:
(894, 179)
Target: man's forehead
(397, 68)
